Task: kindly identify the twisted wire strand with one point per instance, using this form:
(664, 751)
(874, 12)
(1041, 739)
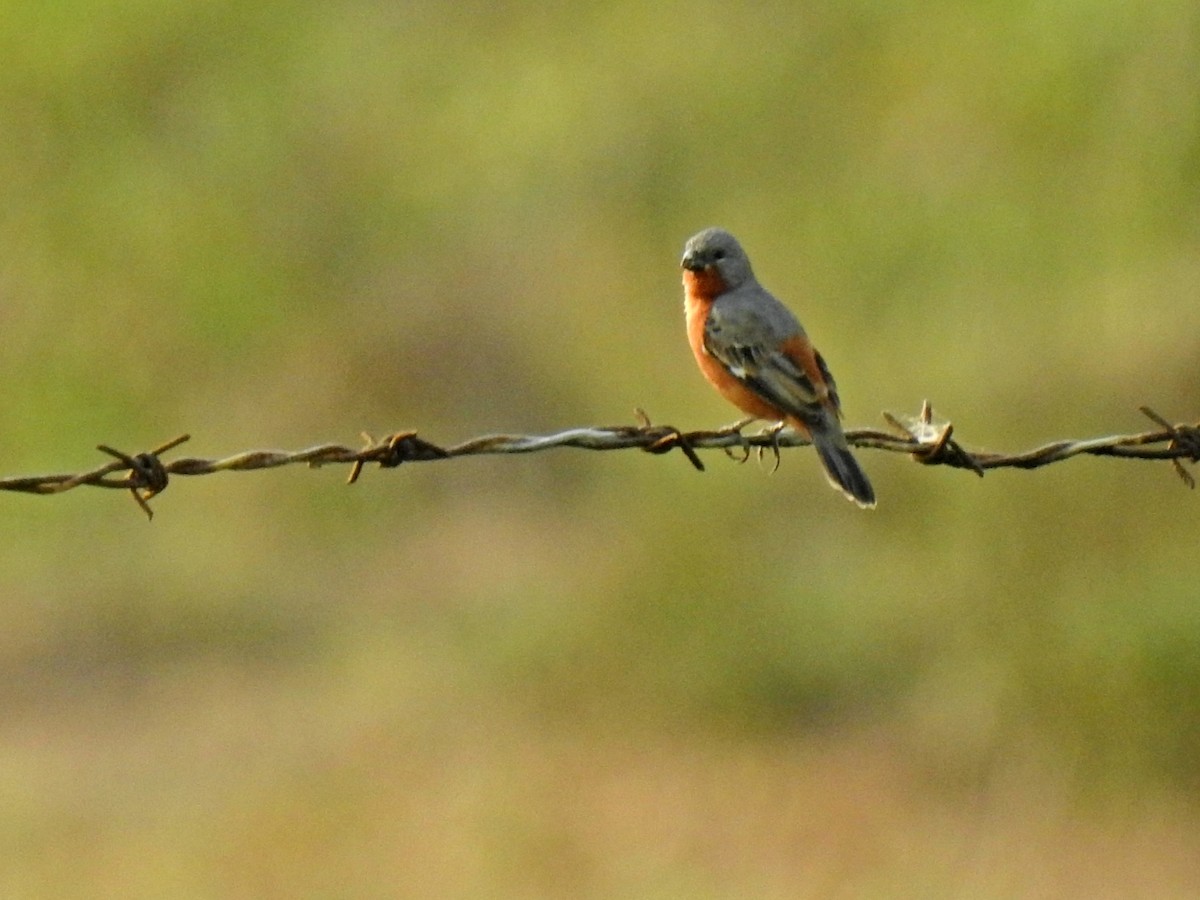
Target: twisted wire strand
(926, 440)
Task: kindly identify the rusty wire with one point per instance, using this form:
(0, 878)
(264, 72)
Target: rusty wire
(925, 439)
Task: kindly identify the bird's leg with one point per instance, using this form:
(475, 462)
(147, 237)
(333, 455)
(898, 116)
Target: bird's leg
(773, 433)
(736, 429)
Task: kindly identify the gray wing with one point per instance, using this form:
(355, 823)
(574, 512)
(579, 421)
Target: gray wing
(745, 333)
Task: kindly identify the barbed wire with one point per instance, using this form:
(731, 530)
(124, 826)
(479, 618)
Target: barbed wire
(927, 440)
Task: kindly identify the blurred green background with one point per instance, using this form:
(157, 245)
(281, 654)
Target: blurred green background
(577, 674)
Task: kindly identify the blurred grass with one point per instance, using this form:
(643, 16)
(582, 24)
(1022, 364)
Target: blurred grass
(577, 674)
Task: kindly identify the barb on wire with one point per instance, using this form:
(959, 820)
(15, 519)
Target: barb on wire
(926, 440)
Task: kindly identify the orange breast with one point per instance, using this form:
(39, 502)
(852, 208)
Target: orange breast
(707, 284)
(733, 390)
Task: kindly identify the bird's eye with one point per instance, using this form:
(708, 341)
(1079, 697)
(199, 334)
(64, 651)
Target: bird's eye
(718, 254)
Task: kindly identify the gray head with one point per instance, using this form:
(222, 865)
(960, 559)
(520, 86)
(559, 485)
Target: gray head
(716, 248)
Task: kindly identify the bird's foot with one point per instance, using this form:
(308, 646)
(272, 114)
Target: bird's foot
(771, 432)
(735, 429)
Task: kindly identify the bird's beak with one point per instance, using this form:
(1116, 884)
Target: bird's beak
(691, 261)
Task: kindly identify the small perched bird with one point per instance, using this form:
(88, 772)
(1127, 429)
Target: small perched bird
(755, 353)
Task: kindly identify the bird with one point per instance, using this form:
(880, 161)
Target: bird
(755, 352)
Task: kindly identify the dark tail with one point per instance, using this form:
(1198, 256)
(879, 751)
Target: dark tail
(842, 469)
